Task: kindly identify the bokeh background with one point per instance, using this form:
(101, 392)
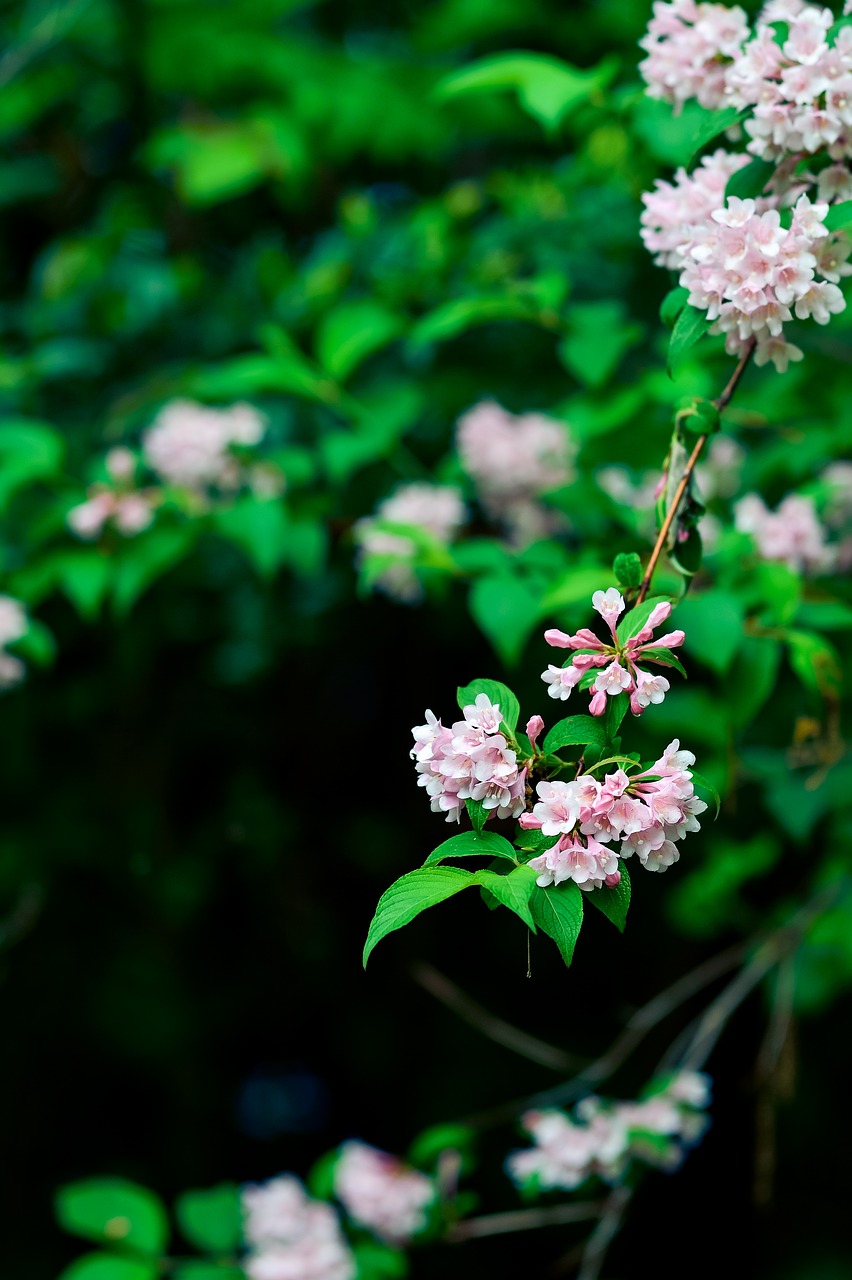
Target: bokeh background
(206, 784)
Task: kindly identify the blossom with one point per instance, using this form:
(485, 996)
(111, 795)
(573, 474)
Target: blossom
(792, 534)
(13, 625)
(589, 864)
(381, 1193)
(471, 760)
(513, 460)
(129, 512)
(618, 662)
(672, 209)
(436, 509)
(190, 445)
(291, 1236)
(689, 46)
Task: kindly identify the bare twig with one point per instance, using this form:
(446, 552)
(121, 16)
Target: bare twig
(604, 1233)
(493, 1224)
(721, 403)
(547, 1055)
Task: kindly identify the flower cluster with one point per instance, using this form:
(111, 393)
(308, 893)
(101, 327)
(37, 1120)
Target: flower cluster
(470, 761)
(13, 625)
(602, 1136)
(672, 209)
(617, 661)
(791, 534)
(647, 812)
(190, 445)
(690, 47)
(128, 509)
(381, 1193)
(513, 460)
(291, 1236)
(437, 510)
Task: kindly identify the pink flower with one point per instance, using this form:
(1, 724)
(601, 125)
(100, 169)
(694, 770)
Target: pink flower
(470, 761)
(291, 1236)
(535, 724)
(190, 444)
(610, 605)
(437, 509)
(561, 680)
(381, 1193)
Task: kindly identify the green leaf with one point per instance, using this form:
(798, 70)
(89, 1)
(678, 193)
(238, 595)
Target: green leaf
(258, 526)
(839, 216)
(633, 621)
(321, 1175)
(472, 844)
(460, 314)
(613, 902)
(599, 336)
(211, 1219)
(714, 123)
(147, 558)
(690, 325)
(512, 891)
(713, 623)
(410, 895)
(751, 678)
(816, 662)
(194, 1269)
(111, 1266)
(627, 567)
(616, 710)
(686, 555)
(113, 1210)
(29, 451)
(748, 183)
(672, 305)
(498, 694)
(477, 813)
(376, 1261)
(664, 657)
(506, 611)
(576, 731)
(351, 332)
(547, 87)
(84, 576)
(558, 912)
(37, 645)
(700, 781)
(429, 1146)
(532, 841)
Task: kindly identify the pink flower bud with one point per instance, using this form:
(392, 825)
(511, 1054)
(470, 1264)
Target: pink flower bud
(559, 639)
(529, 822)
(597, 706)
(535, 724)
(613, 880)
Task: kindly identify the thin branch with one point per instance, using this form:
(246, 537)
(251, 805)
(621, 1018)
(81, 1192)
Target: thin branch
(662, 537)
(604, 1233)
(637, 1026)
(493, 1224)
(439, 986)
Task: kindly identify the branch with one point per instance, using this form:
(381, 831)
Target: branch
(721, 403)
(547, 1055)
(604, 1233)
(493, 1224)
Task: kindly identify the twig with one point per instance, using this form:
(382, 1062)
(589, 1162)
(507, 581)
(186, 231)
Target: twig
(493, 1224)
(637, 1026)
(662, 537)
(547, 1055)
(604, 1233)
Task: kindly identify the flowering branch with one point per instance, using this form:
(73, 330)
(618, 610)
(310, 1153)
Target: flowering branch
(721, 403)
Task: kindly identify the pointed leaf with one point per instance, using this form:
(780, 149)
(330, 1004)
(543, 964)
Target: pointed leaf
(113, 1210)
(613, 902)
(627, 567)
(714, 123)
(497, 693)
(633, 622)
(663, 657)
(558, 912)
(616, 710)
(111, 1266)
(748, 183)
(699, 780)
(512, 891)
(211, 1219)
(690, 325)
(575, 731)
(410, 895)
(672, 305)
(477, 813)
(472, 844)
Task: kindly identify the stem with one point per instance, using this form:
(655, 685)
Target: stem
(721, 403)
(524, 1220)
(604, 1233)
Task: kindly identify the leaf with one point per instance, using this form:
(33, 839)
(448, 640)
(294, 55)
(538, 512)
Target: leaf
(477, 813)
(633, 621)
(751, 678)
(196, 1269)
(713, 622)
(627, 567)
(616, 710)
(685, 555)
(351, 332)
(690, 325)
(113, 1210)
(664, 657)
(547, 87)
(410, 895)
(211, 1219)
(512, 891)
(533, 841)
(816, 662)
(498, 694)
(321, 1175)
(85, 576)
(839, 216)
(258, 526)
(429, 1146)
(377, 1261)
(714, 123)
(111, 1266)
(37, 645)
(147, 558)
(599, 336)
(506, 611)
(748, 183)
(558, 912)
(575, 731)
(699, 780)
(459, 314)
(672, 305)
(613, 902)
(29, 451)
(472, 844)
